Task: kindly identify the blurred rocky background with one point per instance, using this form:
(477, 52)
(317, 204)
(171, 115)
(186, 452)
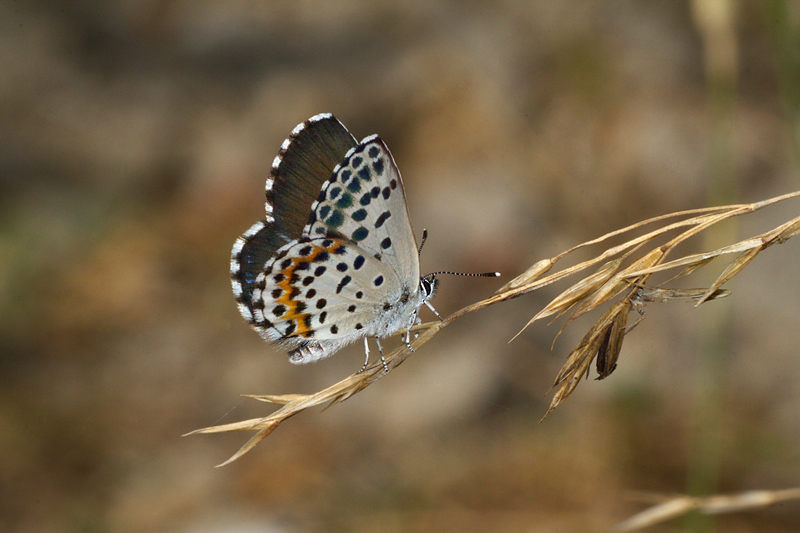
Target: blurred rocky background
(135, 139)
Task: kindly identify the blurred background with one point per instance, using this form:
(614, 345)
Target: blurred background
(135, 140)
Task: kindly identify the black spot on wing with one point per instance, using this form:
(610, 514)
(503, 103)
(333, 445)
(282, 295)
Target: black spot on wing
(342, 283)
(382, 218)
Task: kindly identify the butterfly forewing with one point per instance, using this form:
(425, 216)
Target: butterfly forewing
(364, 202)
(306, 161)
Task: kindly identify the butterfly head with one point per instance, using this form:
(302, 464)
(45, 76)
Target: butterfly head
(427, 285)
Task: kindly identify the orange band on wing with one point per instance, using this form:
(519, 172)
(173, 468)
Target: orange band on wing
(295, 308)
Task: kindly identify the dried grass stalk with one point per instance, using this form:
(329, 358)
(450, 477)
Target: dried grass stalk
(603, 342)
(670, 507)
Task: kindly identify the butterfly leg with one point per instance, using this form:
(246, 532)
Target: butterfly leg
(434, 311)
(412, 319)
(366, 355)
(380, 351)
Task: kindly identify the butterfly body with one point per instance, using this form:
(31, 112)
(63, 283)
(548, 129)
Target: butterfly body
(335, 260)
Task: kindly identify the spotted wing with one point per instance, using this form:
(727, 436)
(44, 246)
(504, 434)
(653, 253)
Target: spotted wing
(306, 160)
(251, 251)
(364, 202)
(323, 290)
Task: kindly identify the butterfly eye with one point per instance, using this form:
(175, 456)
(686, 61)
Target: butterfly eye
(427, 285)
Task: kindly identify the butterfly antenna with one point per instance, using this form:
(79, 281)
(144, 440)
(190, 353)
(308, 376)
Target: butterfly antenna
(424, 238)
(432, 274)
(481, 275)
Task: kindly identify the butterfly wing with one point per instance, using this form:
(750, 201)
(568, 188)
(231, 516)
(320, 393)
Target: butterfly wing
(306, 160)
(364, 202)
(327, 292)
(315, 282)
(251, 251)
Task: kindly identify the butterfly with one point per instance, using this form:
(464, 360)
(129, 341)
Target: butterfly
(335, 259)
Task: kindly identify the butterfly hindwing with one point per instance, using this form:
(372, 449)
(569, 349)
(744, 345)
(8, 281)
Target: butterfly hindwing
(250, 253)
(364, 202)
(326, 289)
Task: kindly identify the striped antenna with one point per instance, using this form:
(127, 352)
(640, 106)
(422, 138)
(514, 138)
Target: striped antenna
(432, 274)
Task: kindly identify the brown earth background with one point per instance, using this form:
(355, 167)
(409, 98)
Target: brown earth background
(135, 139)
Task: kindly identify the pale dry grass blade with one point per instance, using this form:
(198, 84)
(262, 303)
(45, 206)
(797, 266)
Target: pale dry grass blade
(603, 342)
(647, 294)
(295, 403)
(730, 271)
(577, 293)
(691, 266)
(671, 507)
(530, 275)
(612, 288)
(605, 338)
(281, 399)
